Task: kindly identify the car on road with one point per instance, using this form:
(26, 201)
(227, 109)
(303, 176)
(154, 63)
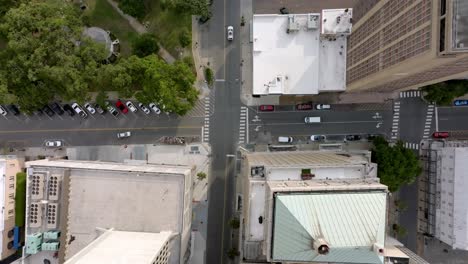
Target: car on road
(48, 110)
(69, 109)
(77, 108)
(124, 134)
(353, 137)
(121, 106)
(131, 106)
(266, 108)
(99, 109)
(317, 138)
(439, 134)
(90, 108)
(57, 109)
(305, 106)
(144, 108)
(111, 109)
(230, 33)
(283, 139)
(14, 109)
(155, 108)
(323, 107)
(460, 102)
(53, 143)
(3, 111)
(312, 119)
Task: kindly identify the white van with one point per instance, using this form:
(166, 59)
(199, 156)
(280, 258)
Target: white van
(312, 119)
(285, 139)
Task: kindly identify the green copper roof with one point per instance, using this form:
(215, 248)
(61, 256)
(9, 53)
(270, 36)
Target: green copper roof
(350, 222)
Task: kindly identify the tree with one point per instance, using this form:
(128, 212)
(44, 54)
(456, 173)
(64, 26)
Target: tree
(185, 38)
(146, 44)
(234, 223)
(209, 77)
(397, 165)
(201, 175)
(232, 253)
(399, 230)
(43, 58)
(194, 7)
(134, 8)
(445, 92)
(101, 98)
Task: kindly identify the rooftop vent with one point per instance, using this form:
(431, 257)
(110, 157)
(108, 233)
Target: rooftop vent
(321, 246)
(293, 25)
(257, 171)
(312, 21)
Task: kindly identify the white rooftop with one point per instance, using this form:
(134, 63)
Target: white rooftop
(460, 196)
(120, 247)
(289, 56)
(337, 21)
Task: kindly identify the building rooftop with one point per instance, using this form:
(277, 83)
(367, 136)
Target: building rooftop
(337, 21)
(119, 246)
(290, 57)
(460, 196)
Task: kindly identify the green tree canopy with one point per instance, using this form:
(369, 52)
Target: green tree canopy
(46, 55)
(397, 165)
(135, 8)
(194, 7)
(445, 92)
(146, 44)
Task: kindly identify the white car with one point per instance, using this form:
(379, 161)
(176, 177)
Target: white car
(317, 137)
(131, 106)
(124, 134)
(230, 33)
(79, 110)
(323, 107)
(155, 108)
(53, 143)
(3, 111)
(144, 108)
(90, 108)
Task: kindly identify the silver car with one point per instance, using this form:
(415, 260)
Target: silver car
(124, 134)
(53, 143)
(230, 33)
(144, 108)
(79, 110)
(3, 111)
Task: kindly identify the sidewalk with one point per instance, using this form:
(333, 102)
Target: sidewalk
(198, 61)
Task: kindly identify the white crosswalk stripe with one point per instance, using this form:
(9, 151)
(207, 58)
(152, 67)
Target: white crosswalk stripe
(409, 145)
(410, 94)
(206, 126)
(243, 124)
(427, 125)
(396, 120)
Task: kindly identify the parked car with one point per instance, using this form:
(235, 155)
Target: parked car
(14, 109)
(439, 134)
(155, 108)
(312, 119)
(353, 137)
(53, 143)
(230, 33)
(266, 108)
(99, 109)
(69, 109)
(121, 106)
(144, 108)
(204, 19)
(57, 109)
(124, 134)
(38, 112)
(111, 109)
(90, 108)
(284, 10)
(283, 139)
(317, 138)
(305, 106)
(3, 111)
(131, 106)
(323, 107)
(48, 111)
(460, 102)
(79, 110)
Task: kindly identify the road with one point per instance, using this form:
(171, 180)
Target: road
(224, 125)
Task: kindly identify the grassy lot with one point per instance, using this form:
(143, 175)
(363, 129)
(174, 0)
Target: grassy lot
(167, 25)
(104, 16)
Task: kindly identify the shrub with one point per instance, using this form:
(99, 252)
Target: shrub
(146, 44)
(185, 38)
(201, 175)
(209, 76)
(234, 223)
(134, 8)
(443, 93)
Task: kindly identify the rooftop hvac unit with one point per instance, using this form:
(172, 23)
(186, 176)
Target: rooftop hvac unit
(52, 211)
(37, 186)
(53, 187)
(312, 21)
(53, 235)
(257, 171)
(35, 215)
(292, 24)
(50, 246)
(33, 243)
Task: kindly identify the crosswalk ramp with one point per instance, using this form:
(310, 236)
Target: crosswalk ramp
(243, 124)
(414, 146)
(410, 94)
(396, 120)
(428, 123)
(207, 115)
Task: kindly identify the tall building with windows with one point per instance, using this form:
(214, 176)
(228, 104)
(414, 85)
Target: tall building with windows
(406, 44)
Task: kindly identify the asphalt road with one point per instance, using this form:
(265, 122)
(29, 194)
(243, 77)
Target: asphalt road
(224, 128)
(453, 118)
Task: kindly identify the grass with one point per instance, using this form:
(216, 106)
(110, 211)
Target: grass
(103, 15)
(167, 25)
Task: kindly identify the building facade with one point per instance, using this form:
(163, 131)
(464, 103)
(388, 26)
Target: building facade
(407, 44)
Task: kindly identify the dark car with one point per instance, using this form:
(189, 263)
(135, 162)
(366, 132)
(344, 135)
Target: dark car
(440, 134)
(371, 137)
(121, 106)
(266, 108)
(460, 102)
(38, 112)
(305, 106)
(284, 11)
(69, 109)
(14, 109)
(48, 110)
(204, 19)
(99, 109)
(57, 109)
(353, 137)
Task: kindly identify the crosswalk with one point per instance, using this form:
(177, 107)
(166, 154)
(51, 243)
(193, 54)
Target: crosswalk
(410, 94)
(396, 120)
(206, 125)
(243, 124)
(412, 145)
(427, 125)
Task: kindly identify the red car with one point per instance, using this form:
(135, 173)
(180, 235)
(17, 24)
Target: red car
(440, 135)
(267, 108)
(305, 106)
(121, 106)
